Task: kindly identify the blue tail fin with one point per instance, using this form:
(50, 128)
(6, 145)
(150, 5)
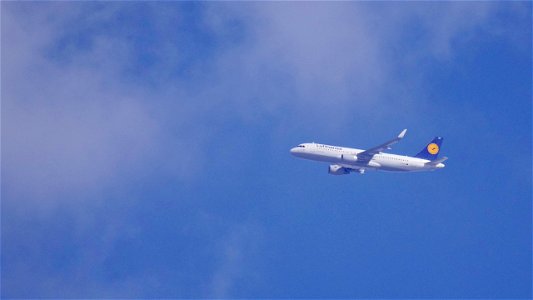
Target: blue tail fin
(431, 151)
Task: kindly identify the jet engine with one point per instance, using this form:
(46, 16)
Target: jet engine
(338, 170)
(349, 158)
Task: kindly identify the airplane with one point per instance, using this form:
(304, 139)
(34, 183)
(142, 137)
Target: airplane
(346, 160)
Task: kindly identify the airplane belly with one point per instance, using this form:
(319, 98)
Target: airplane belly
(393, 166)
(325, 157)
(370, 165)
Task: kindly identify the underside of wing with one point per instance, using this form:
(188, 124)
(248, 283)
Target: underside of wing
(366, 156)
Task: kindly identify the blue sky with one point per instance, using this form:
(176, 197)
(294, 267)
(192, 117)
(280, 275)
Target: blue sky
(145, 149)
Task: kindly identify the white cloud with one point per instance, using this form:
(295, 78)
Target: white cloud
(81, 121)
(78, 124)
(316, 58)
(335, 61)
(233, 256)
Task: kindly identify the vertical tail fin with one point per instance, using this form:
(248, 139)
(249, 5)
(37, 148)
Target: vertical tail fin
(431, 151)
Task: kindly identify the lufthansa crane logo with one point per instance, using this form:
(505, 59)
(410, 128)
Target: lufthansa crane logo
(433, 148)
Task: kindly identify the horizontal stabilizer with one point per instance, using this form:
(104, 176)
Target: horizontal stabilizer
(437, 161)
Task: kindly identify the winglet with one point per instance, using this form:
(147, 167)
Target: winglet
(402, 134)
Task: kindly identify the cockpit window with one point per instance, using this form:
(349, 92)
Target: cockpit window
(301, 146)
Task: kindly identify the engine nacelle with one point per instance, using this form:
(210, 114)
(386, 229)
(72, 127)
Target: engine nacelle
(349, 158)
(338, 170)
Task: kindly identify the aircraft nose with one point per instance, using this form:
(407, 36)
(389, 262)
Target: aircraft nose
(293, 150)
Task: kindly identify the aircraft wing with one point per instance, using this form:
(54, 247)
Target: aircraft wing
(367, 155)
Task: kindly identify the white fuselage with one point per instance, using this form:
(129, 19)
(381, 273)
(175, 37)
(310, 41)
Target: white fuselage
(347, 157)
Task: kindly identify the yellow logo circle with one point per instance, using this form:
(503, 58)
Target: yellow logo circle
(433, 148)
